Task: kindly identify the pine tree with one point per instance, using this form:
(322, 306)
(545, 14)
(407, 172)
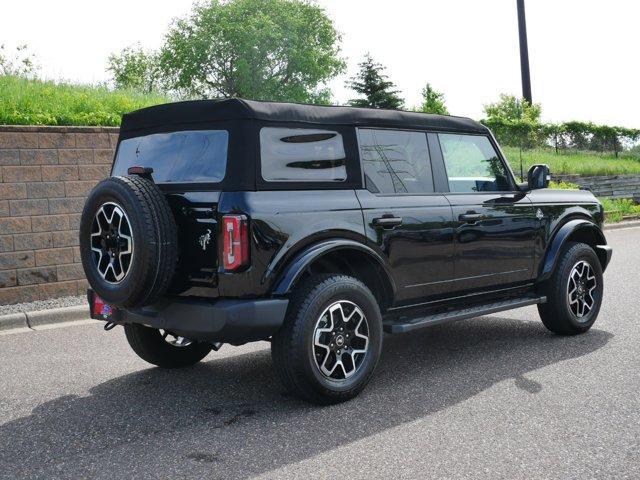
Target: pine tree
(433, 101)
(374, 87)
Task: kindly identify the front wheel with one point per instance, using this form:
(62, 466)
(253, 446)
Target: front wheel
(574, 291)
(331, 339)
(164, 349)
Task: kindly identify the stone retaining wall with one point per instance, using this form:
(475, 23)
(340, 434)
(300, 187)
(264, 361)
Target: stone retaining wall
(46, 173)
(610, 186)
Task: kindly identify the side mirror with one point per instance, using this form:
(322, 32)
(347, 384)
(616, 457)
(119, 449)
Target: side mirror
(538, 176)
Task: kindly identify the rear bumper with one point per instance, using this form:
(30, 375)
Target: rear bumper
(228, 321)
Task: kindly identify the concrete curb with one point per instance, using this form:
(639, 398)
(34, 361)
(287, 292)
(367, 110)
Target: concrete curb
(57, 315)
(39, 318)
(13, 320)
(628, 224)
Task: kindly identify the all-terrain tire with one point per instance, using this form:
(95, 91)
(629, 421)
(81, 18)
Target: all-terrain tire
(292, 348)
(155, 241)
(150, 346)
(558, 314)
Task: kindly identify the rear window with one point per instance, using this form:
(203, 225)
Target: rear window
(189, 156)
(302, 155)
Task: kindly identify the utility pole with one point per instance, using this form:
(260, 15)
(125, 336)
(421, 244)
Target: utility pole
(524, 54)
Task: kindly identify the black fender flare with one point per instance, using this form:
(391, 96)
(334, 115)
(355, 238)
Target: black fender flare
(552, 255)
(303, 259)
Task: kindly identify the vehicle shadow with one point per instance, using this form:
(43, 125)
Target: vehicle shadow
(228, 417)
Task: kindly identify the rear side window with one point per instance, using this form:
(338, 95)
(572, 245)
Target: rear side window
(472, 164)
(189, 156)
(302, 155)
(395, 161)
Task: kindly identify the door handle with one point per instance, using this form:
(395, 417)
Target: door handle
(387, 221)
(471, 217)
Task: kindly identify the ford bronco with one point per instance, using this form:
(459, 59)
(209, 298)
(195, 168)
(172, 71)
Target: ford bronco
(318, 229)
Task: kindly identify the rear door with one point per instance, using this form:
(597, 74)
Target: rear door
(404, 218)
(495, 223)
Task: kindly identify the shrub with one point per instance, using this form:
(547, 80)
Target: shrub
(569, 135)
(563, 185)
(618, 208)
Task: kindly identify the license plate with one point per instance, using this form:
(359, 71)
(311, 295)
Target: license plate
(101, 310)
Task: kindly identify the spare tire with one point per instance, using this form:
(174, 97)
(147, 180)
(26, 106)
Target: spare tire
(128, 241)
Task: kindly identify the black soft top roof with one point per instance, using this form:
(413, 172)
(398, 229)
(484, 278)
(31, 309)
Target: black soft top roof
(205, 111)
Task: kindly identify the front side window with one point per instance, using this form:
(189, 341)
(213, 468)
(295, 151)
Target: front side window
(302, 155)
(472, 164)
(188, 156)
(395, 161)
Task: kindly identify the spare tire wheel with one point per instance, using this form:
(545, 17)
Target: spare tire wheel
(128, 241)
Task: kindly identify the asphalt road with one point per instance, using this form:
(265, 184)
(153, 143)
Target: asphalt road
(495, 397)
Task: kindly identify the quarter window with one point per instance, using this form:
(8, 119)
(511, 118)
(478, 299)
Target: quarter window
(302, 155)
(395, 161)
(472, 164)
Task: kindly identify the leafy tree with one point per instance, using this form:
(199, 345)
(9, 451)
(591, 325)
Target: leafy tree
(374, 87)
(135, 69)
(511, 108)
(260, 49)
(516, 122)
(19, 64)
(433, 101)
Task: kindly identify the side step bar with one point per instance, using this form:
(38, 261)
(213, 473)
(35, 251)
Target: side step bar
(408, 323)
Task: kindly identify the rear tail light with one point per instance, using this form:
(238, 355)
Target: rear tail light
(235, 231)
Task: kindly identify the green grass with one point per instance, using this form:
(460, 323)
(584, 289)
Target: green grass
(37, 102)
(584, 163)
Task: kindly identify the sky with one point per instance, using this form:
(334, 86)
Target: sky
(583, 53)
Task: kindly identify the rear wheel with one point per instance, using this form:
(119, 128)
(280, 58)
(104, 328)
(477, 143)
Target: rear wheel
(164, 349)
(574, 291)
(331, 340)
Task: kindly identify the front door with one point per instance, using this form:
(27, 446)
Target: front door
(495, 224)
(405, 220)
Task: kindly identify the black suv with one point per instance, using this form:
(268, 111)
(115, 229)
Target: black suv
(319, 228)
